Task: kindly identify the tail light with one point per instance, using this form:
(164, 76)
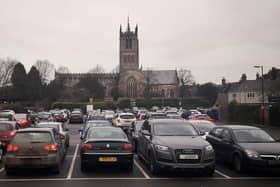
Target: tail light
(12, 133)
(127, 147)
(61, 136)
(87, 147)
(51, 147)
(12, 148)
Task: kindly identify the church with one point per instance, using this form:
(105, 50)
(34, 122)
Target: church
(131, 81)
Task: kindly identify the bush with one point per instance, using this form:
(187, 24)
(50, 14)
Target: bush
(244, 113)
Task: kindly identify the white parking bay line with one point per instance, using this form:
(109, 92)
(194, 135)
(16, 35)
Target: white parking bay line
(222, 174)
(73, 163)
(142, 170)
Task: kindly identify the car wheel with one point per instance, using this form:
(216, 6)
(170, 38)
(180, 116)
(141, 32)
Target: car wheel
(129, 167)
(237, 164)
(154, 168)
(84, 167)
(209, 171)
(56, 169)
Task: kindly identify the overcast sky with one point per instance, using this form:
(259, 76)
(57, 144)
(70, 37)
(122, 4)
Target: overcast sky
(212, 38)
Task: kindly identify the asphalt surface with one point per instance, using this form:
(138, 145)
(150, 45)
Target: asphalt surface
(71, 174)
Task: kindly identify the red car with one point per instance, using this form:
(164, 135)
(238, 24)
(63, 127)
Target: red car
(7, 131)
(24, 123)
(201, 117)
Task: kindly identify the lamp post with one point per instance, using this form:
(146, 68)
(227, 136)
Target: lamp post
(262, 92)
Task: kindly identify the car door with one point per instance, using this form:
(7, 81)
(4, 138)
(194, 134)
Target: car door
(227, 144)
(147, 141)
(215, 139)
(142, 139)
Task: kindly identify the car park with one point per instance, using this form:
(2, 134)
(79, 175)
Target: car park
(203, 126)
(59, 128)
(45, 116)
(106, 145)
(34, 148)
(174, 144)
(245, 147)
(124, 120)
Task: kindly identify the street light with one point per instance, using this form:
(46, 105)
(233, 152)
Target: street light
(262, 92)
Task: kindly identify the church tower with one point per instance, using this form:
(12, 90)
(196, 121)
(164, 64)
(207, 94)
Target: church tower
(129, 49)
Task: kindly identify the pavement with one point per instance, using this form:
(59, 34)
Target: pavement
(71, 175)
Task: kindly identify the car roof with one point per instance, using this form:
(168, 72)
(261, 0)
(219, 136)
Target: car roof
(126, 113)
(35, 129)
(200, 121)
(49, 123)
(167, 121)
(239, 127)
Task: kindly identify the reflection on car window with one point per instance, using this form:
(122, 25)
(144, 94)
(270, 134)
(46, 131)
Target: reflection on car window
(5, 127)
(174, 130)
(29, 137)
(252, 135)
(95, 133)
(226, 134)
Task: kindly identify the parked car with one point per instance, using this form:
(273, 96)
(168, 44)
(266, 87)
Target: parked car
(109, 115)
(200, 117)
(60, 116)
(34, 148)
(174, 116)
(133, 133)
(174, 144)
(45, 116)
(157, 115)
(124, 120)
(76, 117)
(203, 126)
(63, 132)
(7, 116)
(7, 131)
(93, 123)
(106, 145)
(245, 147)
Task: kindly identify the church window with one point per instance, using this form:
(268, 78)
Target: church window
(131, 87)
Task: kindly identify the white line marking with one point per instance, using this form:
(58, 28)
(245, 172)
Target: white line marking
(2, 169)
(222, 174)
(141, 169)
(73, 163)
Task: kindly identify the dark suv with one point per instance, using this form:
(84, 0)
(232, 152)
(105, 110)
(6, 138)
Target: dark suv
(174, 144)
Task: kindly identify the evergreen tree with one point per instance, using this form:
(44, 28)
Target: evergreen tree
(19, 81)
(34, 84)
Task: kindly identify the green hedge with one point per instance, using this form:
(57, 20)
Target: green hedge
(244, 113)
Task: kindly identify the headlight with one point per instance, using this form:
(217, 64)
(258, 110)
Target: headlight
(209, 148)
(161, 148)
(251, 153)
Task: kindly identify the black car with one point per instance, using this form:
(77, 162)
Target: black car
(93, 123)
(106, 145)
(245, 147)
(174, 144)
(1, 152)
(133, 133)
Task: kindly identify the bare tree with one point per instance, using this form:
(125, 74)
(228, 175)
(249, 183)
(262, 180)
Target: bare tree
(185, 77)
(46, 70)
(97, 69)
(116, 69)
(6, 70)
(63, 69)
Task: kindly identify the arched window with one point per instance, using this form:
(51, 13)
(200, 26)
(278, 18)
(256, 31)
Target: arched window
(131, 87)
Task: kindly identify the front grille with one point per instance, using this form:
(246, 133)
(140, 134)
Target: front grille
(179, 152)
(270, 157)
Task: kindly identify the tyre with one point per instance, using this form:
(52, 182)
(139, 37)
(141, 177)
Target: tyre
(209, 171)
(238, 164)
(56, 169)
(154, 168)
(84, 167)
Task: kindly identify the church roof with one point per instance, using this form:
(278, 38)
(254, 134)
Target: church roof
(168, 77)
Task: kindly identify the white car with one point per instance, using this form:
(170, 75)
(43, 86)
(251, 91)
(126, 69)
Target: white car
(124, 120)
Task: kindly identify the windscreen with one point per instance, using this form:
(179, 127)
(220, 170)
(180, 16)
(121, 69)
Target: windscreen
(174, 129)
(126, 116)
(5, 127)
(203, 126)
(100, 133)
(252, 136)
(32, 137)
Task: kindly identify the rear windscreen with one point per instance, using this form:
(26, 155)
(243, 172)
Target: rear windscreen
(126, 116)
(5, 127)
(32, 137)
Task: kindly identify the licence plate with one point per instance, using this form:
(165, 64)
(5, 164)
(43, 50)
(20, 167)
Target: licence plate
(107, 159)
(191, 157)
